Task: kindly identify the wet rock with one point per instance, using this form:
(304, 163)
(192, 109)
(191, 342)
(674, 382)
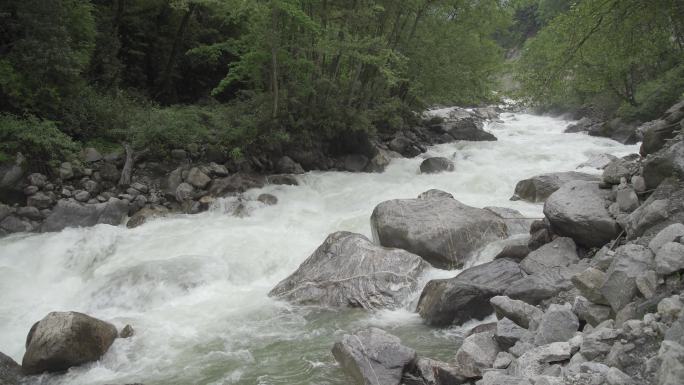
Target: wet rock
(236, 183)
(29, 213)
(456, 300)
(582, 125)
(671, 233)
(620, 285)
(349, 270)
(285, 165)
(443, 231)
(373, 357)
(539, 187)
(434, 193)
(560, 252)
(670, 258)
(616, 129)
(477, 353)
(10, 371)
(197, 178)
(578, 210)
(355, 162)
(467, 128)
(599, 161)
(65, 339)
(558, 324)
(288, 180)
(74, 214)
(436, 165)
(517, 311)
(127, 332)
(145, 214)
(268, 199)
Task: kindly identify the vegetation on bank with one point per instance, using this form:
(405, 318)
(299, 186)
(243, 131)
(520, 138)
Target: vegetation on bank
(251, 76)
(240, 74)
(624, 58)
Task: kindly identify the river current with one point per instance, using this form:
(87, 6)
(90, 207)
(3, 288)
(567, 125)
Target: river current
(194, 287)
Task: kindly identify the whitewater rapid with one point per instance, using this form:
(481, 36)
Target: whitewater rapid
(194, 287)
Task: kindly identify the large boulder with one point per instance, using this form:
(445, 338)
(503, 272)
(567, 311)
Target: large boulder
(285, 165)
(467, 128)
(516, 222)
(624, 167)
(65, 339)
(236, 183)
(436, 164)
(664, 164)
(558, 324)
(349, 270)
(73, 214)
(10, 371)
(456, 300)
(373, 357)
(517, 311)
(616, 129)
(620, 286)
(539, 187)
(578, 210)
(444, 231)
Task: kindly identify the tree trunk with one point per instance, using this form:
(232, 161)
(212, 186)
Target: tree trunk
(165, 79)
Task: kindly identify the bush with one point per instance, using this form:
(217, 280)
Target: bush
(43, 143)
(656, 96)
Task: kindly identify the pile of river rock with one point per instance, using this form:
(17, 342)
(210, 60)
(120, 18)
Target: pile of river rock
(591, 294)
(90, 190)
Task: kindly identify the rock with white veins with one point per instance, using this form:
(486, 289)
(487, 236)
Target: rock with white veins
(349, 270)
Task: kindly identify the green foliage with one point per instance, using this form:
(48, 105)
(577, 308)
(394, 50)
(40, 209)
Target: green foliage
(656, 96)
(39, 140)
(600, 48)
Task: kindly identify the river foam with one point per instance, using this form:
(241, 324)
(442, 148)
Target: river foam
(195, 287)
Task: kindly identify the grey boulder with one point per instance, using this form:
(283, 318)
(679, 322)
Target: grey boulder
(10, 371)
(560, 252)
(669, 258)
(476, 354)
(456, 300)
(558, 324)
(436, 165)
(65, 339)
(539, 187)
(373, 357)
(578, 210)
(444, 231)
(73, 214)
(349, 270)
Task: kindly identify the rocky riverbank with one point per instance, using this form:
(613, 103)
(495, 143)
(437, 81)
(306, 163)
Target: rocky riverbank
(127, 187)
(591, 294)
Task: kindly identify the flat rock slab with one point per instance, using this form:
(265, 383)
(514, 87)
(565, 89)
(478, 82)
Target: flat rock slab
(444, 231)
(349, 270)
(373, 357)
(73, 214)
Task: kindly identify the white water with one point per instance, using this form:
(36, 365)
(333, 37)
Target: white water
(195, 287)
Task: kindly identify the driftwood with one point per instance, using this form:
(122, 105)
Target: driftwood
(131, 158)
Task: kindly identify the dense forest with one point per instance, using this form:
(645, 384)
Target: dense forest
(247, 76)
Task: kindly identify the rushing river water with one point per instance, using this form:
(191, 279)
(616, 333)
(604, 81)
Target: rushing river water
(195, 287)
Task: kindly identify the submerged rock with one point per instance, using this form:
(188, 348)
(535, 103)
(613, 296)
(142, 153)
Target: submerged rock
(436, 165)
(444, 231)
(65, 339)
(373, 357)
(349, 270)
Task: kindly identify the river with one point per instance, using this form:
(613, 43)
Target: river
(195, 287)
